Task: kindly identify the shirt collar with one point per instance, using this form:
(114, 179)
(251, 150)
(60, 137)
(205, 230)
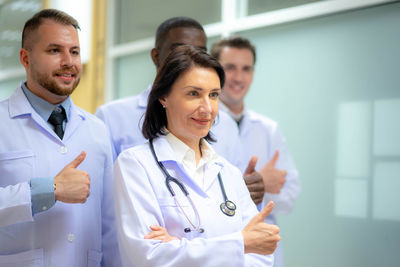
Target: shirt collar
(184, 152)
(236, 117)
(42, 107)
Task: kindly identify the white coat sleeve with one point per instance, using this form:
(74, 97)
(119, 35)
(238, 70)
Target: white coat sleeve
(15, 204)
(111, 255)
(284, 201)
(137, 208)
(102, 116)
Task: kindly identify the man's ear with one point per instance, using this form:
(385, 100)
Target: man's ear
(155, 57)
(24, 57)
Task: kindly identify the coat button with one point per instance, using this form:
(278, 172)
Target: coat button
(71, 237)
(63, 150)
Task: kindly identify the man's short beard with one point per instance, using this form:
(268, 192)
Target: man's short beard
(52, 86)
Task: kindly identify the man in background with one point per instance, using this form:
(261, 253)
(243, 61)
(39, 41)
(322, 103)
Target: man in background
(260, 137)
(56, 202)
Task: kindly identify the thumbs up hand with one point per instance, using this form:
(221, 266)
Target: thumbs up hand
(254, 181)
(273, 178)
(72, 185)
(260, 237)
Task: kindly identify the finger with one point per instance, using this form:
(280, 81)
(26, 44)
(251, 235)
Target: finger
(158, 235)
(78, 160)
(155, 227)
(266, 211)
(274, 159)
(258, 201)
(153, 234)
(275, 190)
(255, 194)
(253, 178)
(251, 165)
(256, 188)
(257, 198)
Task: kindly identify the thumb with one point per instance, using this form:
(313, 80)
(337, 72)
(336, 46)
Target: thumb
(265, 211)
(274, 159)
(251, 166)
(78, 160)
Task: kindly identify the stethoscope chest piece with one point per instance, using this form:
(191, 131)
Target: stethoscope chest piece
(228, 208)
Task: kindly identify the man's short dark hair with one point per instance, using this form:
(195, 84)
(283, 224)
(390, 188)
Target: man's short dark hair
(233, 41)
(39, 18)
(179, 60)
(172, 23)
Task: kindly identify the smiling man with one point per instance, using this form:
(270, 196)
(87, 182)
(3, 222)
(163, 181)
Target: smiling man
(54, 155)
(259, 136)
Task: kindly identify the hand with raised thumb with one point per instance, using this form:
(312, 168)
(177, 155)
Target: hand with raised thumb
(251, 166)
(72, 185)
(260, 237)
(273, 178)
(254, 181)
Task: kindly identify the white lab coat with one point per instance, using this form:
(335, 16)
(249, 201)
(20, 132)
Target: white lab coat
(66, 234)
(142, 199)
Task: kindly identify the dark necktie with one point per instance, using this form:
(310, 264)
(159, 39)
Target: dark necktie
(56, 119)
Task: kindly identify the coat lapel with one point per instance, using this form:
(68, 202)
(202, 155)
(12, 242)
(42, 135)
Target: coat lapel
(75, 120)
(20, 106)
(166, 155)
(211, 174)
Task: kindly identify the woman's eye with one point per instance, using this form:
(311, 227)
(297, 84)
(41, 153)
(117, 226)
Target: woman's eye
(193, 93)
(214, 95)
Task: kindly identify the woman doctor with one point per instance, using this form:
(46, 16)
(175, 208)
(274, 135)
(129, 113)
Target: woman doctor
(177, 181)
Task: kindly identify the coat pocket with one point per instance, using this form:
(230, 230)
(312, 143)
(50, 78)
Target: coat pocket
(177, 217)
(16, 167)
(31, 258)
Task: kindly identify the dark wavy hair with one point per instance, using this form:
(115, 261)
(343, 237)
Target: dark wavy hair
(178, 61)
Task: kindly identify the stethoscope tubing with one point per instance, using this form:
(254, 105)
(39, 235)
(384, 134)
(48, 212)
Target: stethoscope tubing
(227, 207)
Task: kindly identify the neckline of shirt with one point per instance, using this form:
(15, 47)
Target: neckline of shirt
(186, 156)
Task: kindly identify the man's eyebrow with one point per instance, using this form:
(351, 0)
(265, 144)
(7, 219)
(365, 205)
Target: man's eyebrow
(178, 44)
(58, 45)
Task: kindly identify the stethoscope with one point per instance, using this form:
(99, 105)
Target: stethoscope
(227, 207)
